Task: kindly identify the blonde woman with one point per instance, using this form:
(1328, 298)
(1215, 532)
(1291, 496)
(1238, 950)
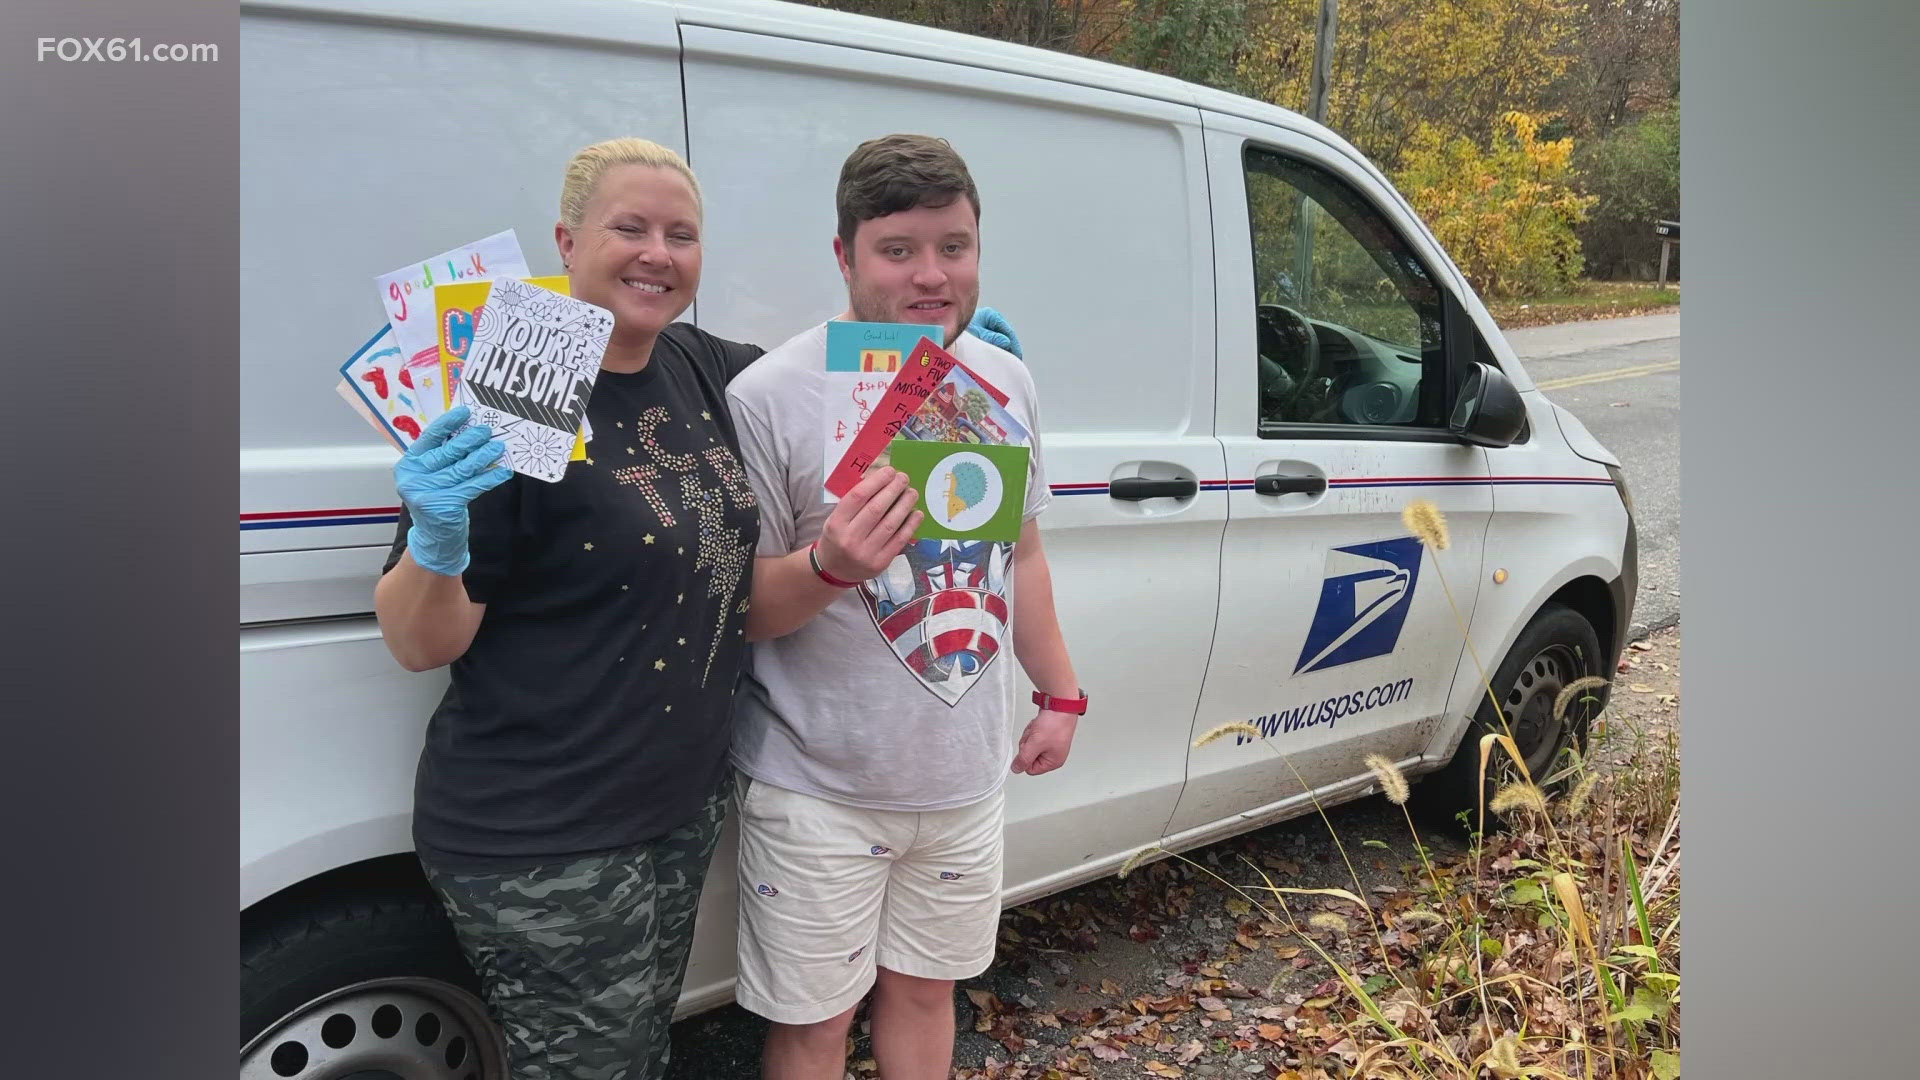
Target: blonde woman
(574, 776)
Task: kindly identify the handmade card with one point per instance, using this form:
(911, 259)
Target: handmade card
(849, 459)
(456, 308)
(379, 387)
(871, 348)
(966, 492)
(530, 371)
(407, 294)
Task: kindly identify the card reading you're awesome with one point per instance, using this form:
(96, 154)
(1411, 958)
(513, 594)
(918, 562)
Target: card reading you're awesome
(530, 371)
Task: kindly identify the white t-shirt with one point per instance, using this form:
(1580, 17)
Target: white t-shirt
(898, 696)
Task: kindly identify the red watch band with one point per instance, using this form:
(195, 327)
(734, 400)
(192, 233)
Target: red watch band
(1076, 706)
(813, 560)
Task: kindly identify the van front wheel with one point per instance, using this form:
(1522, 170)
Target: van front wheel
(1558, 646)
(362, 987)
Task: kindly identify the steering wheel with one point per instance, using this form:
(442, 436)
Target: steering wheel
(1289, 357)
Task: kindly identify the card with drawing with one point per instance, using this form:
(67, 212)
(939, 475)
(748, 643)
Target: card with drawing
(530, 371)
(407, 294)
(967, 492)
(379, 387)
(962, 410)
(848, 461)
(871, 348)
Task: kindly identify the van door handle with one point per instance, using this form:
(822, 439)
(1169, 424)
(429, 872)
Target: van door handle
(1135, 488)
(1277, 484)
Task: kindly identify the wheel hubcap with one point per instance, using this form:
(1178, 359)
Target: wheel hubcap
(1529, 705)
(386, 1029)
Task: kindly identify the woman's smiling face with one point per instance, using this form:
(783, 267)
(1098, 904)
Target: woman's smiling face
(636, 251)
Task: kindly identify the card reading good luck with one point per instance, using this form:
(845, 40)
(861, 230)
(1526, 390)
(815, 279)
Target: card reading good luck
(530, 371)
(967, 492)
(407, 294)
(873, 347)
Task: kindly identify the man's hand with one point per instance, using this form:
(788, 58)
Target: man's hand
(870, 527)
(1045, 743)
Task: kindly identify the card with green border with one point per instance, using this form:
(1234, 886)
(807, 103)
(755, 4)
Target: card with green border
(968, 491)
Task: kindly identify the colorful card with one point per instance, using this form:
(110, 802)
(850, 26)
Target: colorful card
(926, 367)
(352, 397)
(871, 348)
(381, 389)
(407, 294)
(962, 410)
(456, 308)
(966, 492)
(531, 369)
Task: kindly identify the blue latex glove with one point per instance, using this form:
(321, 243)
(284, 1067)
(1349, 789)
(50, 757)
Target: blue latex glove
(437, 477)
(991, 327)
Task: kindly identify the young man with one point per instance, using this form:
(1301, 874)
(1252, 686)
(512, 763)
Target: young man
(876, 735)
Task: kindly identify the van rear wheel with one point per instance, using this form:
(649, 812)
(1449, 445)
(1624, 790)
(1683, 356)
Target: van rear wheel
(1557, 647)
(355, 988)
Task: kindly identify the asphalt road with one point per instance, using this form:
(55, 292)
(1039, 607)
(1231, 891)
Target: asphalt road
(1621, 377)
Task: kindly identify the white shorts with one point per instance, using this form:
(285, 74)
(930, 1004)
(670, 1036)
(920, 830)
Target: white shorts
(828, 892)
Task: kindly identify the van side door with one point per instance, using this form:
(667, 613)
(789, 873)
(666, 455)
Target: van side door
(1339, 631)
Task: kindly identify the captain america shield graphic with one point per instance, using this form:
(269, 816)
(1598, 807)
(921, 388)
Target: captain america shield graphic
(942, 607)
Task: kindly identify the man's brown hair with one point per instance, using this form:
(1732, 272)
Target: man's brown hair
(899, 172)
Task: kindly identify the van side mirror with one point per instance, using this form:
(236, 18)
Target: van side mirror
(1487, 411)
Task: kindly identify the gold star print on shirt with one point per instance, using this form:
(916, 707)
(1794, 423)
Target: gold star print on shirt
(722, 551)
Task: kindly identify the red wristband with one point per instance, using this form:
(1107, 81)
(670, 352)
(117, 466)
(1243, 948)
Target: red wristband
(1076, 706)
(813, 560)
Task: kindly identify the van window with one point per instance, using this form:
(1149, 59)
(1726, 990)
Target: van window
(1348, 320)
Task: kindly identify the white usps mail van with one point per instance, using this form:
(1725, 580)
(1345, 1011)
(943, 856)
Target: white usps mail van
(1252, 355)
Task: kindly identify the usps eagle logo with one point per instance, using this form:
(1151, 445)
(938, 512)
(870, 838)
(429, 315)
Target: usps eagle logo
(942, 608)
(1364, 599)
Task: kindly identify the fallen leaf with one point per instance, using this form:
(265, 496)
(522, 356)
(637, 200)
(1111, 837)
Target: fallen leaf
(1272, 1032)
(1640, 688)
(1109, 987)
(1210, 1004)
(1318, 1002)
(1286, 952)
(1193, 1049)
(1641, 646)
(1161, 1068)
(1244, 941)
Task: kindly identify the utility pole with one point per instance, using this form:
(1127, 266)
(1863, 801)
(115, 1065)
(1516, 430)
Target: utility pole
(1323, 60)
(1317, 109)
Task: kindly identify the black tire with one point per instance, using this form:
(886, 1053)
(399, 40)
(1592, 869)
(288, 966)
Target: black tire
(364, 985)
(1558, 646)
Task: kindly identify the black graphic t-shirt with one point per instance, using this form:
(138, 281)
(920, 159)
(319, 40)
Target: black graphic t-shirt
(592, 710)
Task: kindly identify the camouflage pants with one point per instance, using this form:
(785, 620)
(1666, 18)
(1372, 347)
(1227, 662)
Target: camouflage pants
(581, 961)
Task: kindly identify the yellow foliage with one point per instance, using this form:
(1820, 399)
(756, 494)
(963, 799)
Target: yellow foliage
(1506, 214)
